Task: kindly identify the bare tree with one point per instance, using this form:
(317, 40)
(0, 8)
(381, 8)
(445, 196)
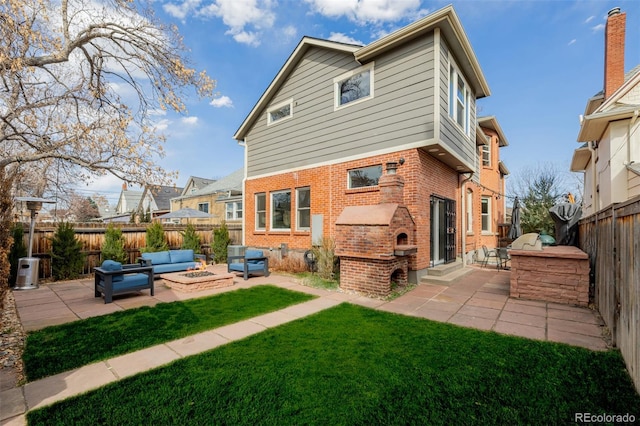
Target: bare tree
(78, 81)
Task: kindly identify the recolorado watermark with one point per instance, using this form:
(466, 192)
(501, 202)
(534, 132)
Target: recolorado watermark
(604, 418)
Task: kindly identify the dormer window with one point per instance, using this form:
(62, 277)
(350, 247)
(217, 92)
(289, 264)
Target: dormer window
(354, 86)
(280, 112)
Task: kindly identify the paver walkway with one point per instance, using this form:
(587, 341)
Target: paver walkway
(479, 299)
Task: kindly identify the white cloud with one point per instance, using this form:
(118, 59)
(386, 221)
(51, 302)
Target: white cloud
(222, 101)
(343, 38)
(368, 11)
(572, 42)
(181, 10)
(239, 14)
(162, 125)
(290, 31)
(598, 27)
(189, 120)
(589, 19)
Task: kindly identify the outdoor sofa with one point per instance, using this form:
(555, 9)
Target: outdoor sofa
(171, 260)
(113, 278)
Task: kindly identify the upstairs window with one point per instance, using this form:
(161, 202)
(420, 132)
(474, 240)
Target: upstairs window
(280, 112)
(365, 176)
(233, 210)
(459, 100)
(203, 207)
(486, 154)
(356, 85)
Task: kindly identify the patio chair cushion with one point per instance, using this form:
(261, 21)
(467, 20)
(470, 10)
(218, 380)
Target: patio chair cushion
(112, 265)
(254, 253)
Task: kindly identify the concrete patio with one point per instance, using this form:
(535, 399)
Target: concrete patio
(478, 299)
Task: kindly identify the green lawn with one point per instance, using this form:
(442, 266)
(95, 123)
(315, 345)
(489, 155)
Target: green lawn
(353, 365)
(64, 347)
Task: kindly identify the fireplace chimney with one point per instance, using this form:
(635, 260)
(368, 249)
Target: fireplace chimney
(391, 186)
(614, 51)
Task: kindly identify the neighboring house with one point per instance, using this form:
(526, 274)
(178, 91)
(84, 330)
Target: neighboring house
(127, 203)
(318, 138)
(157, 199)
(610, 129)
(194, 184)
(484, 201)
(222, 199)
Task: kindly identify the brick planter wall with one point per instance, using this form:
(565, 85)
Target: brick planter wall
(555, 274)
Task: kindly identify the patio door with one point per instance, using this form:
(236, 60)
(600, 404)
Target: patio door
(443, 230)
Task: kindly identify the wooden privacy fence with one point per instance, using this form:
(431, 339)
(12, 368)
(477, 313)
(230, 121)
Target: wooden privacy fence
(611, 237)
(92, 238)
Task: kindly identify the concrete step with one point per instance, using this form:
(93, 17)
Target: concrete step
(445, 269)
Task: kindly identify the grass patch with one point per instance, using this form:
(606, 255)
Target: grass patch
(64, 347)
(352, 365)
(314, 280)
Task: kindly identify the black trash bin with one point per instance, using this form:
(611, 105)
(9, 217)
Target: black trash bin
(566, 217)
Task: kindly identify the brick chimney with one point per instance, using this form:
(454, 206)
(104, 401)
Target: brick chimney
(391, 186)
(124, 186)
(614, 51)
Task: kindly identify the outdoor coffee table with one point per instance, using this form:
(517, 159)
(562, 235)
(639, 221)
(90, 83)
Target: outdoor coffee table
(196, 280)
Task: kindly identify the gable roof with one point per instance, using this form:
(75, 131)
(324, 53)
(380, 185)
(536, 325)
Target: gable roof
(491, 122)
(593, 125)
(196, 183)
(162, 195)
(445, 19)
(305, 44)
(230, 183)
(131, 199)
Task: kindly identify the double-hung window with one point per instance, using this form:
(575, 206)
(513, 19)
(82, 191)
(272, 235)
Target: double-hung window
(486, 214)
(203, 207)
(486, 154)
(234, 210)
(459, 99)
(303, 209)
(281, 210)
(354, 86)
(261, 211)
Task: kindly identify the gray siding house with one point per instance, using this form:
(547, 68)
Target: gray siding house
(318, 137)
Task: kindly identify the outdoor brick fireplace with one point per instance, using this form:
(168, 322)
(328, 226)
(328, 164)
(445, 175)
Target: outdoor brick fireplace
(375, 243)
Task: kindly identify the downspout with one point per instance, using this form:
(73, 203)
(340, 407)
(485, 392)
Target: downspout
(243, 144)
(463, 219)
(594, 184)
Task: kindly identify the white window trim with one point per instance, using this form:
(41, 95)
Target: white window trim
(454, 97)
(469, 212)
(277, 107)
(489, 220)
(341, 78)
(271, 227)
(298, 227)
(234, 210)
(488, 151)
(264, 194)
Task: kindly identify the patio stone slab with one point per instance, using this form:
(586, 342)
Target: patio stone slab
(142, 360)
(311, 307)
(37, 324)
(197, 343)
(367, 302)
(479, 312)
(439, 305)
(13, 403)
(538, 310)
(590, 342)
(521, 330)
(485, 303)
(240, 330)
(582, 315)
(481, 294)
(575, 327)
(273, 319)
(472, 321)
(56, 388)
(433, 314)
(524, 319)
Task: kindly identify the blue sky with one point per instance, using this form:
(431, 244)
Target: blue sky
(542, 59)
